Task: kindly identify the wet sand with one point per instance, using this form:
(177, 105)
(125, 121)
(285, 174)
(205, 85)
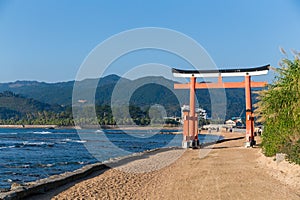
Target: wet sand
(225, 170)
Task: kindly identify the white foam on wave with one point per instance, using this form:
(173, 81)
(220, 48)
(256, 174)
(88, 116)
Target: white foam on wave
(80, 141)
(23, 166)
(42, 132)
(26, 143)
(11, 146)
(70, 140)
(46, 165)
(33, 143)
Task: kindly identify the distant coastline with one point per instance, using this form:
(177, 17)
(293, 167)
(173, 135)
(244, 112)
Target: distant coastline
(111, 127)
(38, 126)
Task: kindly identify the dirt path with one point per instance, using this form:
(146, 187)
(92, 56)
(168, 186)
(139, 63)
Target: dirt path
(229, 171)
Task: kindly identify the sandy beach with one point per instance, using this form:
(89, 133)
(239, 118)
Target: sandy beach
(225, 170)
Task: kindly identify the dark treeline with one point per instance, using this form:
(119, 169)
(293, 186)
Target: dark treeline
(121, 115)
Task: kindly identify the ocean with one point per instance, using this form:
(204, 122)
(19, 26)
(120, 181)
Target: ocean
(31, 154)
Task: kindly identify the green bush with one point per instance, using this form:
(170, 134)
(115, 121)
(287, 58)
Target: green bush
(280, 111)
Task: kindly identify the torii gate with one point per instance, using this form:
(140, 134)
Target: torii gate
(190, 121)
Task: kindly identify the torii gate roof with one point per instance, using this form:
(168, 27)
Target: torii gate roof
(254, 71)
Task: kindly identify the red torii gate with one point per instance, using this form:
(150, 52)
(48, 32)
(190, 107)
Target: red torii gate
(190, 121)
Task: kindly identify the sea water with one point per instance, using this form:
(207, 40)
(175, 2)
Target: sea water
(31, 154)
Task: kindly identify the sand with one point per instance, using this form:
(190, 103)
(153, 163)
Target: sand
(226, 170)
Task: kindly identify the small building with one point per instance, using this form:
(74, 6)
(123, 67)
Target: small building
(230, 123)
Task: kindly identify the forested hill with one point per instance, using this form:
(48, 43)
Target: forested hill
(33, 96)
(55, 93)
(17, 106)
(51, 93)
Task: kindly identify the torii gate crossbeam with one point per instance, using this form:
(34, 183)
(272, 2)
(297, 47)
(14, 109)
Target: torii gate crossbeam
(190, 125)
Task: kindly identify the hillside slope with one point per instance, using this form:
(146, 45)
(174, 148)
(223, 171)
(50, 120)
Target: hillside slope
(16, 106)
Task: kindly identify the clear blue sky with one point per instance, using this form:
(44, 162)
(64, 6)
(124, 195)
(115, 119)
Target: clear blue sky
(48, 40)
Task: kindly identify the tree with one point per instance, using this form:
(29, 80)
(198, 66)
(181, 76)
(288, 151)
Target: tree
(279, 107)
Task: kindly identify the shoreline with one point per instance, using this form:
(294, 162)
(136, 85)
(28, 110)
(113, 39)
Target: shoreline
(163, 130)
(54, 182)
(17, 126)
(63, 184)
(46, 126)
(45, 185)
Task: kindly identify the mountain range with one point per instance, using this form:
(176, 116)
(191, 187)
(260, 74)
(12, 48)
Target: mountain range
(32, 96)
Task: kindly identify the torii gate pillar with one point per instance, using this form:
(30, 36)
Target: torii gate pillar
(190, 120)
(193, 118)
(249, 114)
